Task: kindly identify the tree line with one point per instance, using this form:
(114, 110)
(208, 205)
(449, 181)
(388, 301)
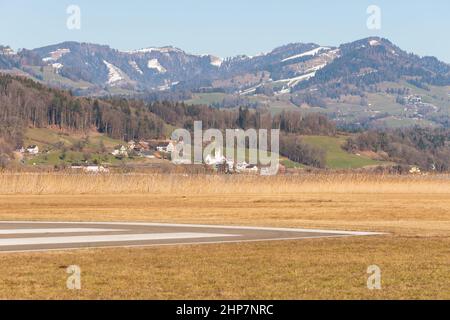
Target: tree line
(425, 147)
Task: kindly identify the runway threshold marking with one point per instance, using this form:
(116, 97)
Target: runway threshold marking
(55, 230)
(19, 236)
(111, 238)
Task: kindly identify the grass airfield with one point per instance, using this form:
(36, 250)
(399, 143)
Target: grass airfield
(414, 257)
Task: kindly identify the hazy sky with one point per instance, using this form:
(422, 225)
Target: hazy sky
(226, 27)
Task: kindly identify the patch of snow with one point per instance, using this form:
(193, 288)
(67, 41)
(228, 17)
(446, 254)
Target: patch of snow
(216, 61)
(167, 85)
(7, 52)
(241, 58)
(316, 68)
(114, 73)
(289, 83)
(261, 54)
(160, 50)
(292, 82)
(55, 55)
(250, 90)
(135, 67)
(285, 90)
(57, 66)
(307, 53)
(164, 87)
(374, 43)
(154, 64)
(332, 54)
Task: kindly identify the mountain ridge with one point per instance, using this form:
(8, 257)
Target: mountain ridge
(368, 78)
(161, 68)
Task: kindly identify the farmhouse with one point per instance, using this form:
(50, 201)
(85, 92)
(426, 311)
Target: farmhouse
(21, 150)
(241, 166)
(170, 147)
(90, 168)
(415, 170)
(251, 168)
(140, 147)
(33, 149)
(96, 169)
(131, 145)
(122, 151)
(219, 160)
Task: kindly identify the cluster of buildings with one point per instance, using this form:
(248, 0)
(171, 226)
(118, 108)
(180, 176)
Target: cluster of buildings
(33, 150)
(220, 163)
(415, 104)
(146, 149)
(160, 149)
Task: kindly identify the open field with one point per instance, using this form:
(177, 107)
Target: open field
(414, 257)
(336, 157)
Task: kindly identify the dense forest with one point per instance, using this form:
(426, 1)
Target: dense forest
(38, 106)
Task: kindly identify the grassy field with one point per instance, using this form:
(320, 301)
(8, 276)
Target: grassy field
(207, 98)
(336, 157)
(50, 76)
(413, 257)
(44, 137)
(275, 104)
(57, 148)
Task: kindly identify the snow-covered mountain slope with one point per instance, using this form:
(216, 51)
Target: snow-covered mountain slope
(92, 68)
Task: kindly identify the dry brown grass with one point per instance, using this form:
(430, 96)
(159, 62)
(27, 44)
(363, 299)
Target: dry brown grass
(414, 257)
(310, 269)
(133, 183)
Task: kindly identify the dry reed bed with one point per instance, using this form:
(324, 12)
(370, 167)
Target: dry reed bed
(66, 183)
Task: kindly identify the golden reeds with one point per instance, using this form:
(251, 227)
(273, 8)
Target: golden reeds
(69, 183)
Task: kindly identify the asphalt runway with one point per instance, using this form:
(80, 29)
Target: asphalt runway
(18, 236)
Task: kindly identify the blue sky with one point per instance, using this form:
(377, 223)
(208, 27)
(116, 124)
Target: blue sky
(226, 28)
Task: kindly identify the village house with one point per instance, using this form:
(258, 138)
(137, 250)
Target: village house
(219, 161)
(95, 169)
(131, 145)
(90, 168)
(168, 148)
(122, 151)
(216, 159)
(251, 168)
(241, 166)
(414, 170)
(33, 149)
(141, 147)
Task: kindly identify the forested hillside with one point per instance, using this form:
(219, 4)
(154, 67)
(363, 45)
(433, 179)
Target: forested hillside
(25, 103)
(426, 148)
